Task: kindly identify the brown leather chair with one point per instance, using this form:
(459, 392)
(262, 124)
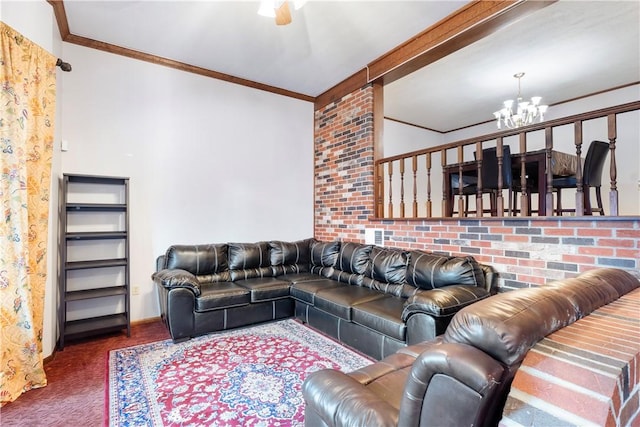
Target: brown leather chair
(461, 378)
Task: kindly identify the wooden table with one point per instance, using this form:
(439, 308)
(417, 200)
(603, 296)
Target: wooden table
(561, 164)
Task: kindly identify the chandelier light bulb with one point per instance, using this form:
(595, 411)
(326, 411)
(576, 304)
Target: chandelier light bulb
(527, 112)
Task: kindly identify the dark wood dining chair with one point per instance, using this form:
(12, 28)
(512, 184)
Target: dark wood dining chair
(489, 181)
(591, 178)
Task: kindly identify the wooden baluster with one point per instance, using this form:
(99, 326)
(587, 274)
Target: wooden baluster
(525, 209)
(401, 188)
(380, 184)
(577, 137)
(428, 185)
(390, 207)
(461, 207)
(548, 142)
(479, 183)
(499, 198)
(447, 198)
(613, 169)
(415, 186)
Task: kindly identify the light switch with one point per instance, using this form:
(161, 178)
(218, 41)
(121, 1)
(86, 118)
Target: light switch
(64, 145)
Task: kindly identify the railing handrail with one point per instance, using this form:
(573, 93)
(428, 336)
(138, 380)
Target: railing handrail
(595, 114)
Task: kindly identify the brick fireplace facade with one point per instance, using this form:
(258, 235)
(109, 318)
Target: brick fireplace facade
(525, 251)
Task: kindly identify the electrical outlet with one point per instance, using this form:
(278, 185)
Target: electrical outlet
(135, 290)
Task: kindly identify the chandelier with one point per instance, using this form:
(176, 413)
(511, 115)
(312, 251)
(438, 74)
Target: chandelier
(526, 112)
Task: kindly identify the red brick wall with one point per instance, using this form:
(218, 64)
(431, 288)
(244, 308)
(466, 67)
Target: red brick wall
(344, 167)
(526, 251)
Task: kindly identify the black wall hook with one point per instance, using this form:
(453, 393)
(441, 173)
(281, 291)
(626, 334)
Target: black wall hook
(65, 66)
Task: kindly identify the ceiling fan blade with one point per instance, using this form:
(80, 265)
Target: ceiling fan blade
(283, 14)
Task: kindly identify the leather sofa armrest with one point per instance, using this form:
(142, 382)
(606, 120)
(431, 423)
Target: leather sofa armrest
(490, 278)
(176, 278)
(457, 384)
(442, 302)
(339, 400)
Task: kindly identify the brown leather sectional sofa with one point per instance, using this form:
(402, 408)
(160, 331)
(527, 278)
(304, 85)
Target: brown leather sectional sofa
(463, 377)
(372, 298)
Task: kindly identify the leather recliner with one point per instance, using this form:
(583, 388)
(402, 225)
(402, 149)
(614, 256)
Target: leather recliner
(461, 378)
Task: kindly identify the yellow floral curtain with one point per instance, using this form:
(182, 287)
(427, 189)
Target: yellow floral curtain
(27, 101)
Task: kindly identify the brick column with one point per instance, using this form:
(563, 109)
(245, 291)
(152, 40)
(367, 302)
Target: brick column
(344, 167)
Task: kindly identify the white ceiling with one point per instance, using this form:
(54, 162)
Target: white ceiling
(326, 42)
(567, 50)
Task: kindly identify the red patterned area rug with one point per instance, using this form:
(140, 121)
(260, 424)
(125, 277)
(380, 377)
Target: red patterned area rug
(245, 377)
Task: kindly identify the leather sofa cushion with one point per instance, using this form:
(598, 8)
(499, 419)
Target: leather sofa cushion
(388, 265)
(287, 253)
(294, 278)
(339, 300)
(621, 280)
(430, 271)
(324, 254)
(250, 273)
(299, 277)
(387, 272)
(290, 257)
(306, 290)
(383, 315)
(199, 260)
(507, 325)
(220, 295)
(344, 277)
(245, 256)
(353, 257)
(265, 288)
(595, 288)
(352, 262)
(443, 302)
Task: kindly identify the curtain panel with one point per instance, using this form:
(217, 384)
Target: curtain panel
(28, 79)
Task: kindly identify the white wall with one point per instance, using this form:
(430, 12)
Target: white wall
(208, 161)
(401, 138)
(36, 21)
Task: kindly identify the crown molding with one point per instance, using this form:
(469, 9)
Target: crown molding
(67, 36)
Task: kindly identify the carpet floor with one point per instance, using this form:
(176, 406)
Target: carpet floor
(75, 393)
(245, 377)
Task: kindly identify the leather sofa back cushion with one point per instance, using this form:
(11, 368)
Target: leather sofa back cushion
(507, 325)
(288, 253)
(388, 265)
(245, 256)
(353, 258)
(430, 271)
(324, 254)
(199, 260)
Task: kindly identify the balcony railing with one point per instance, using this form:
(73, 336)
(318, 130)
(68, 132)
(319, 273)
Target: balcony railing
(411, 185)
